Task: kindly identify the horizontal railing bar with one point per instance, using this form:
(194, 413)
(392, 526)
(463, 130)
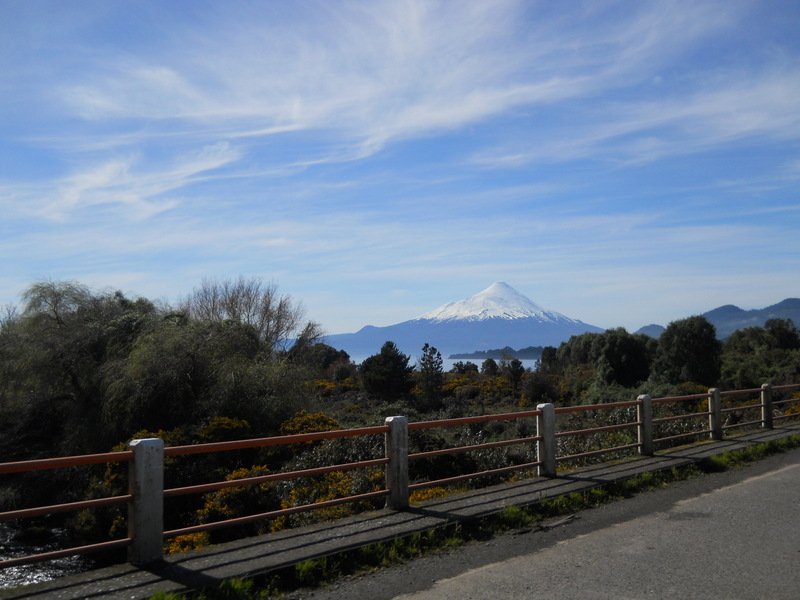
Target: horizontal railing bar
(37, 558)
(680, 398)
(25, 513)
(273, 441)
(680, 417)
(457, 478)
(682, 435)
(743, 424)
(728, 409)
(789, 386)
(741, 392)
(476, 419)
(64, 461)
(781, 417)
(597, 429)
(273, 514)
(219, 485)
(460, 449)
(595, 452)
(789, 401)
(571, 409)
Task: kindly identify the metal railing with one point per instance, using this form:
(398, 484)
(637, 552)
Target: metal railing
(146, 461)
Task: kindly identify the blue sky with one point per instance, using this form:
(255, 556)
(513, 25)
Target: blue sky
(622, 163)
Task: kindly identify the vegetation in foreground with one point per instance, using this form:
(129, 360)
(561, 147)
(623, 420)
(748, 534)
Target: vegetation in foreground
(326, 570)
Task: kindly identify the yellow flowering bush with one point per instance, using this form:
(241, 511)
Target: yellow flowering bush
(190, 541)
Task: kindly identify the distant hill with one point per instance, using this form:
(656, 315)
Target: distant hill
(653, 330)
(729, 318)
(529, 353)
(496, 317)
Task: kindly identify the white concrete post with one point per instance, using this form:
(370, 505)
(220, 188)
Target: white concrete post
(397, 468)
(146, 511)
(546, 447)
(715, 418)
(766, 406)
(644, 414)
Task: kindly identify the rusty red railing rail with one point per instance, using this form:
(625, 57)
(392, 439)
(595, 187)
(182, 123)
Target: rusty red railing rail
(272, 441)
(64, 461)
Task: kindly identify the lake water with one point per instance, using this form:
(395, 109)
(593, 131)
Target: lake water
(447, 363)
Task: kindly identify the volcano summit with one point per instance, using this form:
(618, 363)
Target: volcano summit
(496, 317)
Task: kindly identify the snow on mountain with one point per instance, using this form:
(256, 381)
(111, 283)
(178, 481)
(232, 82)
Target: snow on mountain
(498, 301)
(496, 317)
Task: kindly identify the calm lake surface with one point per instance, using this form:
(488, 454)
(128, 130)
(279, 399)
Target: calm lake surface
(447, 363)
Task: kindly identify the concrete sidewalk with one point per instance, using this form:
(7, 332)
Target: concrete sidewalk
(253, 556)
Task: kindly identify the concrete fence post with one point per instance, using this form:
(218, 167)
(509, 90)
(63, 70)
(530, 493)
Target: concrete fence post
(715, 418)
(766, 406)
(397, 468)
(146, 510)
(644, 414)
(546, 447)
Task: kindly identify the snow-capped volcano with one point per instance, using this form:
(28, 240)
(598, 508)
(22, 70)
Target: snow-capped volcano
(497, 317)
(498, 301)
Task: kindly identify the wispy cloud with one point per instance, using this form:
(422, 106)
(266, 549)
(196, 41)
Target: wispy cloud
(387, 71)
(118, 182)
(740, 107)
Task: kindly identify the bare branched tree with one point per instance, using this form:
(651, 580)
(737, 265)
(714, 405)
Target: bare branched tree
(8, 314)
(277, 319)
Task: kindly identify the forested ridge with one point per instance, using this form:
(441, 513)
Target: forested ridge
(84, 371)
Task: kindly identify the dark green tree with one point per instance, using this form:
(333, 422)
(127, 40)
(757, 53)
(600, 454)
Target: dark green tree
(462, 368)
(319, 357)
(784, 334)
(548, 363)
(513, 370)
(387, 375)
(757, 355)
(689, 351)
(579, 350)
(539, 386)
(430, 378)
(623, 358)
(614, 357)
(490, 368)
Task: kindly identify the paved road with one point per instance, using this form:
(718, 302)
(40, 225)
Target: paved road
(734, 535)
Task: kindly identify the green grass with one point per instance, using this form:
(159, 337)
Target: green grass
(740, 458)
(231, 589)
(322, 571)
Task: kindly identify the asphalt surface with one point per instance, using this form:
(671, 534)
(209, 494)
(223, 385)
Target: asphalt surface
(730, 535)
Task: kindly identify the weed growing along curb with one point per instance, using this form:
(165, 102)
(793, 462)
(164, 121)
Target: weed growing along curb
(315, 573)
